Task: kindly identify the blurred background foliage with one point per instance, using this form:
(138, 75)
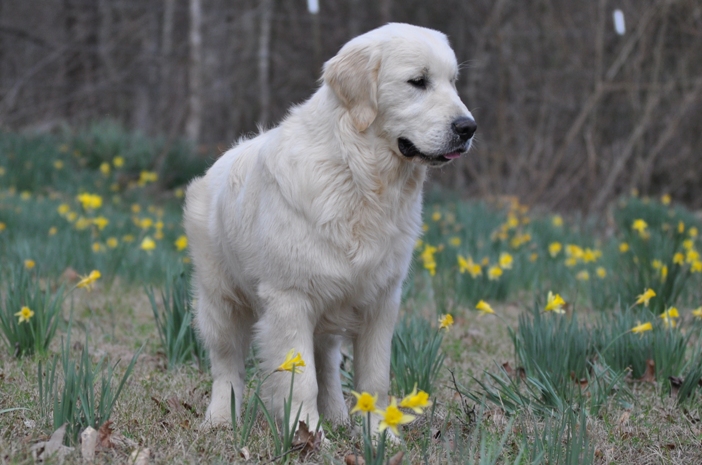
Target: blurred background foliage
(571, 114)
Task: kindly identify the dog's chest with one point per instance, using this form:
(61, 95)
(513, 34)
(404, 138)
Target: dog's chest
(378, 245)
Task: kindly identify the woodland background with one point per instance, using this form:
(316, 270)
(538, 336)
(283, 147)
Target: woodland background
(570, 113)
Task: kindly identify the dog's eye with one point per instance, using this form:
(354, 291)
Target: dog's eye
(419, 83)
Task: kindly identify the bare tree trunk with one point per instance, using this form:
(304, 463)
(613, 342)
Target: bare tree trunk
(194, 120)
(264, 59)
(385, 11)
(166, 65)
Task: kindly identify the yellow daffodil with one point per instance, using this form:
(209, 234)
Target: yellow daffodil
(179, 193)
(98, 247)
(494, 273)
(29, 263)
(533, 257)
(693, 232)
(427, 257)
(53, 231)
(63, 208)
(697, 312)
(105, 168)
(645, 297)
(436, 216)
(583, 275)
(292, 362)
(146, 177)
(365, 402)
(181, 243)
(506, 261)
(146, 223)
(557, 221)
(623, 247)
(416, 400)
(25, 314)
(554, 303)
(601, 272)
(112, 242)
(455, 241)
(393, 417)
(678, 258)
(90, 201)
(89, 280)
(484, 307)
(640, 226)
(554, 249)
(665, 199)
(446, 321)
(512, 221)
(669, 317)
(664, 272)
(101, 222)
(3, 226)
(147, 244)
(58, 164)
(118, 162)
(638, 329)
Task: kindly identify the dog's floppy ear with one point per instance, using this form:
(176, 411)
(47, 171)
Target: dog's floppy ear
(353, 76)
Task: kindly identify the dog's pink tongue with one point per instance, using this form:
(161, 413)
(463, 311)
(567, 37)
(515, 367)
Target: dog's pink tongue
(452, 155)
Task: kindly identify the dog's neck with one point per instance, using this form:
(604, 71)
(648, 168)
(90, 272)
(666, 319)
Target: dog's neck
(375, 165)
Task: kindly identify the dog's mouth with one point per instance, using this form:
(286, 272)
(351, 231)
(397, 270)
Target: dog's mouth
(409, 150)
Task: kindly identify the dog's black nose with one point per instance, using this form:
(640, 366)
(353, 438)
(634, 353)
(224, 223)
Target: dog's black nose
(465, 127)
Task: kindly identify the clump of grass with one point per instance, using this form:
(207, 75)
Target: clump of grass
(85, 395)
(416, 357)
(623, 350)
(29, 315)
(174, 322)
(659, 251)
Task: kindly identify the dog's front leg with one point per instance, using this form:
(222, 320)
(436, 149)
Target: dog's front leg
(371, 353)
(288, 324)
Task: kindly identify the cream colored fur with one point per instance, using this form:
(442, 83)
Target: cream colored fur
(303, 235)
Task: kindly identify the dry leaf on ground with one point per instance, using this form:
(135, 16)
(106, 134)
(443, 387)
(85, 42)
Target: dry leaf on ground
(46, 449)
(306, 441)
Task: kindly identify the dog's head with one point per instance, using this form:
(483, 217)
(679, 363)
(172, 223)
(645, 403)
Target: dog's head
(402, 80)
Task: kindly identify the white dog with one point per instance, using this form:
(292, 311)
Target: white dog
(303, 235)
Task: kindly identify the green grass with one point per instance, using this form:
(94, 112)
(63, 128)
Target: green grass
(530, 386)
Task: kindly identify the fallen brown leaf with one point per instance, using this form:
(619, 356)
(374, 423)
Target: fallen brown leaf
(109, 439)
(45, 449)
(69, 274)
(624, 418)
(675, 383)
(140, 457)
(649, 375)
(396, 459)
(354, 459)
(105, 435)
(306, 441)
(508, 369)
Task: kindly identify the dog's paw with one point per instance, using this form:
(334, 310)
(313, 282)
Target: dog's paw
(215, 421)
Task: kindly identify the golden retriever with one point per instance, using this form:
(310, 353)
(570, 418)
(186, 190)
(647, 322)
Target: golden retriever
(302, 236)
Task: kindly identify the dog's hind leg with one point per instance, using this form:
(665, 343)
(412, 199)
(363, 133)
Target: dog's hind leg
(330, 399)
(226, 331)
